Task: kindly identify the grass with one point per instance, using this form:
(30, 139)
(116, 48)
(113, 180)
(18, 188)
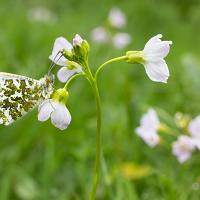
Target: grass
(41, 162)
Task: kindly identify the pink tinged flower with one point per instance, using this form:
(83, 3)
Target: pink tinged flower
(194, 129)
(154, 53)
(149, 125)
(121, 40)
(117, 18)
(41, 14)
(77, 40)
(150, 120)
(58, 112)
(149, 136)
(100, 35)
(56, 56)
(183, 148)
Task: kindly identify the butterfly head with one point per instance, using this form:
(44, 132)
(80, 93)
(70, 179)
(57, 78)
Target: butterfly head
(48, 85)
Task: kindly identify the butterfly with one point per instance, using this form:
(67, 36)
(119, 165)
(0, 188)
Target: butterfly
(20, 94)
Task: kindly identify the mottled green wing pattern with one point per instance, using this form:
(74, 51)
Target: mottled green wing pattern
(20, 94)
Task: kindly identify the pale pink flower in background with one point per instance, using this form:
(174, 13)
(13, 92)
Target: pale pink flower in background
(149, 125)
(194, 129)
(61, 44)
(183, 148)
(117, 18)
(121, 40)
(41, 14)
(100, 35)
(153, 55)
(150, 137)
(57, 111)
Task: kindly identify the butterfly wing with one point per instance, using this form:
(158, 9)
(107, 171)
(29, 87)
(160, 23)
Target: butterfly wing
(20, 94)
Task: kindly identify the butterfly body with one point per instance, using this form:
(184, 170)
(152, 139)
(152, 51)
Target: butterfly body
(20, 94)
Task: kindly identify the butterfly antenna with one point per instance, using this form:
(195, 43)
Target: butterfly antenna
(52, 105)
(54, 61)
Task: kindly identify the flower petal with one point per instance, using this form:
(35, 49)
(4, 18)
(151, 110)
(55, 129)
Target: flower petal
(44, 110)
(157, 71)
(64, 73)
(150, 137)
(194, 127)
(60, 117)
(156, 48)
(150, 120)
(60, 44)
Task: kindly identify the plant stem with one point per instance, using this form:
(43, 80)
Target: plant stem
(108, 62)
(98, 142)
(73, 77)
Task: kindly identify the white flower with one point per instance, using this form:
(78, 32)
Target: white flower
(150, 120)
(58, 112)
(41, 14)
(183, 148)
(121, 40)
(194, 129)
(66, 71)
(117, 18)
(150, 137)
(100, 35)
(149, 125)
(77, 40)
(153, 55)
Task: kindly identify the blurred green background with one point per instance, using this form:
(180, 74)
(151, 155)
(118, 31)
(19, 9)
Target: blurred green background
(37, 161)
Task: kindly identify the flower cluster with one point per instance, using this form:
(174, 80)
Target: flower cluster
(103, 34)
(73, 60)
(69, 57)
(185, 144)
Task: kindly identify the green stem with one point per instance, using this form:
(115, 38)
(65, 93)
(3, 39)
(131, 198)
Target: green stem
(108, 62)
(98, 142)
(72, 77)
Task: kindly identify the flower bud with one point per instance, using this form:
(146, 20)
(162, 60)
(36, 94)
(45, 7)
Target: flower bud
(80, 50)
(61, 95)
(77, 40)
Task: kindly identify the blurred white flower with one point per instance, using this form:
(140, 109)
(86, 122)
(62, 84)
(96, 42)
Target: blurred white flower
(56, 56)
(194, 129)
(41, 14)
(121, 40)
(117, 18)
(149, 125)
(100, 35)
(153, 55)
(57, 111)
(77, 40)
(183, 148)
(150, 137)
